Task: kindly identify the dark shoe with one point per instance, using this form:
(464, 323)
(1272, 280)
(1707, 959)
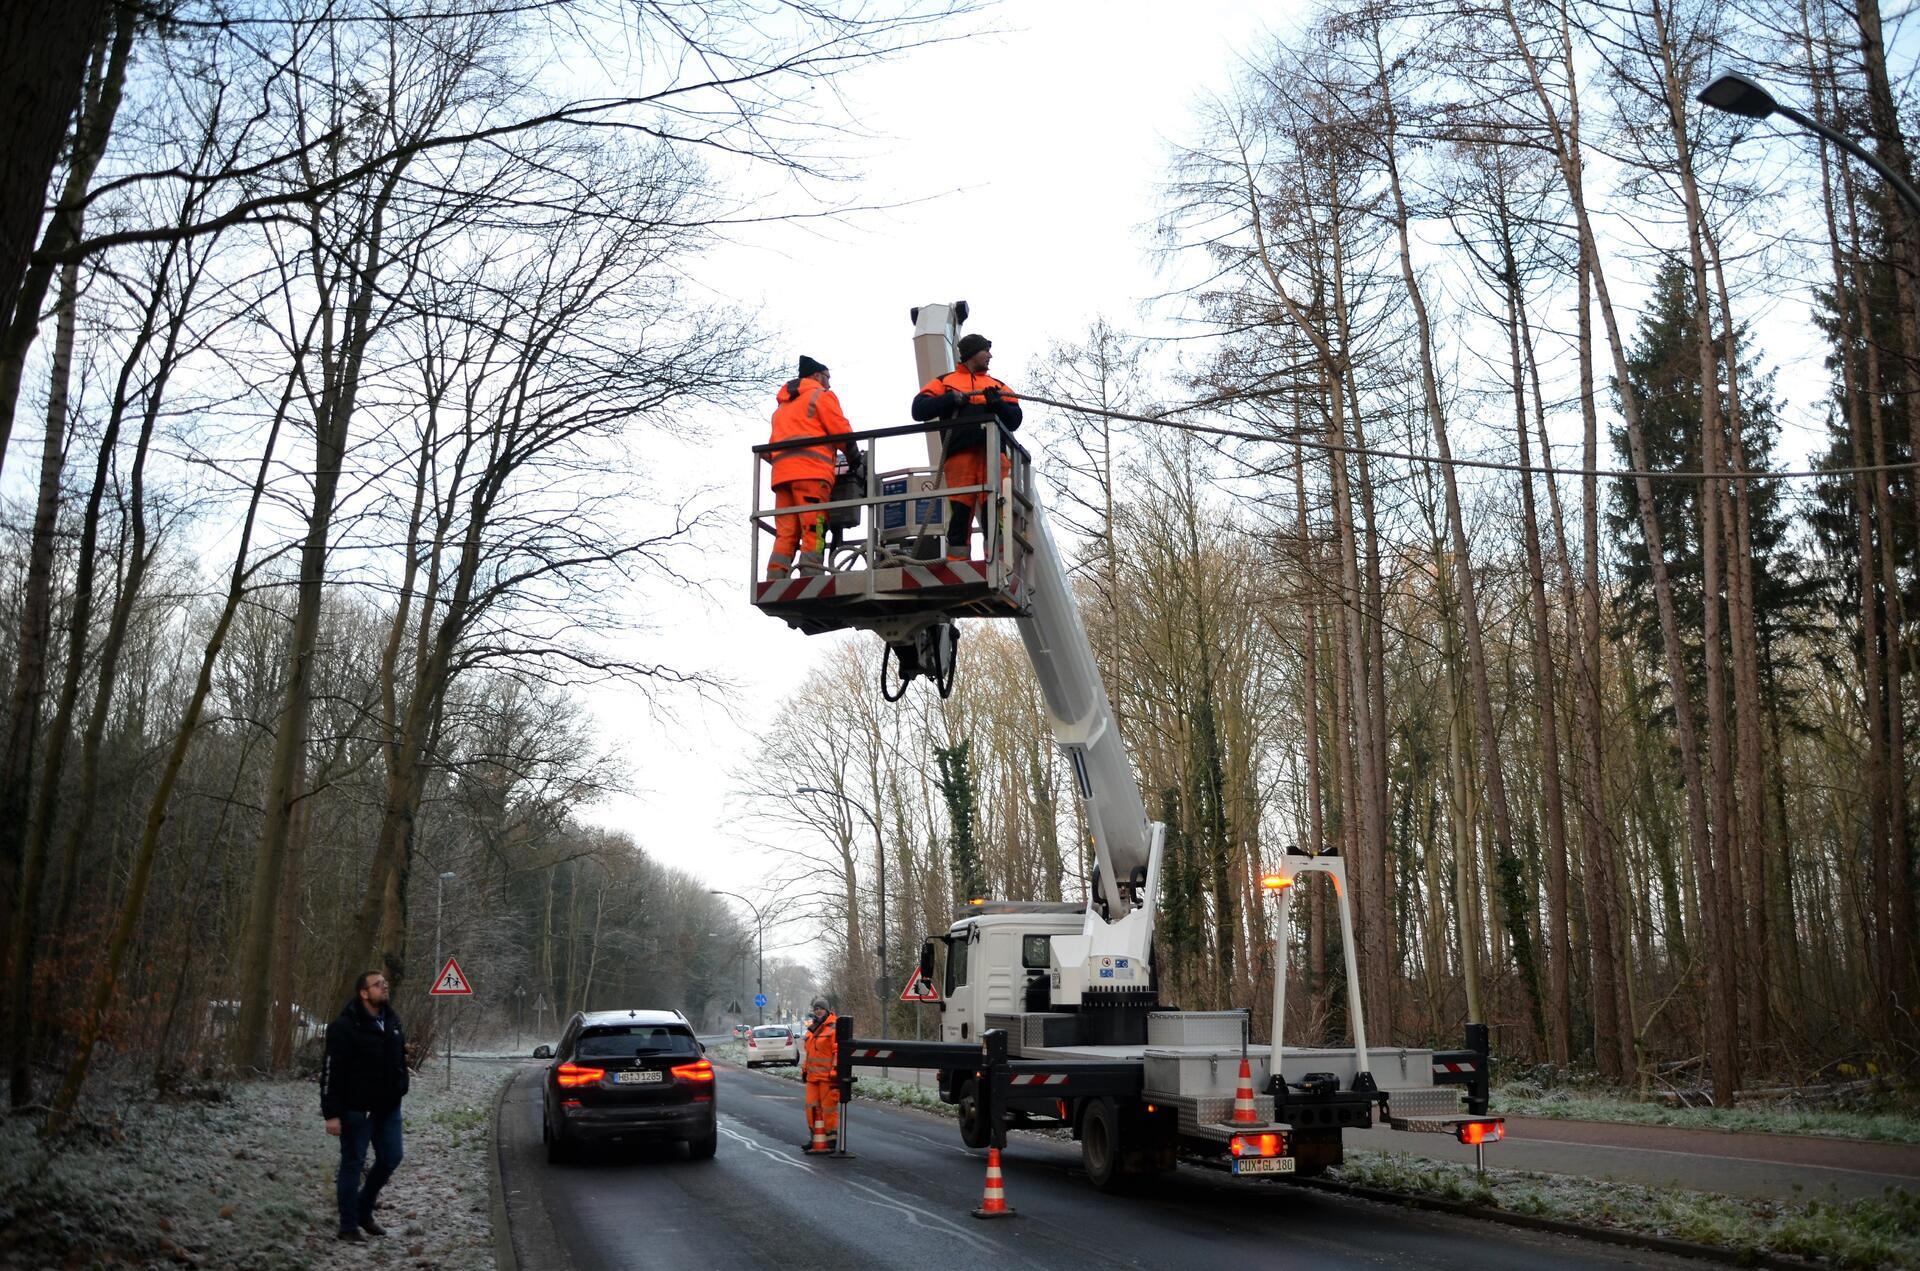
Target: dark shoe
(372, 1228)
(352, 1236)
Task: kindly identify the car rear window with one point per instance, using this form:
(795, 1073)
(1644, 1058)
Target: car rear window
(781, 1033)
(629, 1041)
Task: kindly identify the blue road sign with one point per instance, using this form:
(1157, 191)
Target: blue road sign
(760, 1000)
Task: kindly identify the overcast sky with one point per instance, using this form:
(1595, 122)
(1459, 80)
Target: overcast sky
(1032, 155)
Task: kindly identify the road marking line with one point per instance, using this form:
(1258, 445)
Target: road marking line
(756, 1146)
(914, 1216)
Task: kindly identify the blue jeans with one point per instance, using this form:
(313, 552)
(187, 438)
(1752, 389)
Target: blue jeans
(357, 1130)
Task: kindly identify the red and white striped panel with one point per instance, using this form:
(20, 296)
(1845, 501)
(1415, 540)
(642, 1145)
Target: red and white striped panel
(1040, 1079)
(856, 582)
(1440, 1065)
(873, 1054)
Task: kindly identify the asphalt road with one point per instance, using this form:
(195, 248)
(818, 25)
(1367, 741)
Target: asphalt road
(906, 1197)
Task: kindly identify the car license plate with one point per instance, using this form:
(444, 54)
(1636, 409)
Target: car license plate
(644, 1077)
(1264, 1165)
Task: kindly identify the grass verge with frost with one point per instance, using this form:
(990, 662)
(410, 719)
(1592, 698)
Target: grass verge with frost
(1872, 1232)
(241, 1176)
(1523, 1099)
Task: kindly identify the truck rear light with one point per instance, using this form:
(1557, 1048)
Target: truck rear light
(698, 1070)
(1474, 1133)
(570, 1075)
(1257, 1145)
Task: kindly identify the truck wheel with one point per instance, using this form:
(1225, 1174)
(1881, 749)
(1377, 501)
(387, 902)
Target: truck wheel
(1100, 1147)
(974, 1130)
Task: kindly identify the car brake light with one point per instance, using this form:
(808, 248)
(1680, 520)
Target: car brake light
(1475, 1133)
(752, 1044)
(699, 1070)
(574, 1075)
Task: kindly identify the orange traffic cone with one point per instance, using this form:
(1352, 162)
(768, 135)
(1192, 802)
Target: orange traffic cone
(1244, 1111)
(819, 1144)
(993, 1202)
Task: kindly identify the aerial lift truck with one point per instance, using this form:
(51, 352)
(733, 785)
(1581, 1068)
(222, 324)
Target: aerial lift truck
(1051, 1013)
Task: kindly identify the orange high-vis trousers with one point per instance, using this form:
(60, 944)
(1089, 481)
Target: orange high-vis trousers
(825, 1097)
(803, 530)
(969, 467)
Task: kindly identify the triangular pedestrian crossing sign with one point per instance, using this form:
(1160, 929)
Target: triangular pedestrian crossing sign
(919, 989)
(451, 982)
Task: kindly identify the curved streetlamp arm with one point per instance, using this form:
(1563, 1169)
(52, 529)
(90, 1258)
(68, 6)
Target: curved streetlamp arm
(1738, 94)
(1899, 183)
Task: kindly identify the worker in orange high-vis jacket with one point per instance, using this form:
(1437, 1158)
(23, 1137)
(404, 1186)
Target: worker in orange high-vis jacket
(803, 476)
(819, 1064)
(963, 399)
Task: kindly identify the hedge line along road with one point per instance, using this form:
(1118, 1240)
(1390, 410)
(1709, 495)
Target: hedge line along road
(907, 1196)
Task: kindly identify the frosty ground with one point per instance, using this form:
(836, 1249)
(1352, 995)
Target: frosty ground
(242, 1176)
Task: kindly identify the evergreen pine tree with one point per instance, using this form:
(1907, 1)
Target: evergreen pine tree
(1664, 376)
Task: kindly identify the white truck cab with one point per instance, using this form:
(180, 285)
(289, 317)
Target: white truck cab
(994, 952)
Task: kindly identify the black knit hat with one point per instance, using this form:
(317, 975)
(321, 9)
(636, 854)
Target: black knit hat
(972, 343)
(810, 367)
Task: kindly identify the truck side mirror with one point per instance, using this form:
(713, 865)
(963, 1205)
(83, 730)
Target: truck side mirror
(926, 960)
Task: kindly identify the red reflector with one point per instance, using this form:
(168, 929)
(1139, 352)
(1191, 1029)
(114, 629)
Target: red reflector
(1473, 1133)
(699, 1070)
(575, 1075)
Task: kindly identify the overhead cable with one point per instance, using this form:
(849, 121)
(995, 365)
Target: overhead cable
(1164, 420)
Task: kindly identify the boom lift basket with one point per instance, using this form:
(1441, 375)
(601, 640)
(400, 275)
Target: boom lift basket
(894, 578)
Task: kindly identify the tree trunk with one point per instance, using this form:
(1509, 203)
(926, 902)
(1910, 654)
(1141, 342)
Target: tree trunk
(44, 47)
(100, 1000)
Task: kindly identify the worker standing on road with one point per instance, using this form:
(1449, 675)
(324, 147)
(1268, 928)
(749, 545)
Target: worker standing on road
(803, 475)
(363, 1078)
(819, 1064)
(967, 395)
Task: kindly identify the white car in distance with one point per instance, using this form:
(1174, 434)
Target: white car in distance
(773, 1044)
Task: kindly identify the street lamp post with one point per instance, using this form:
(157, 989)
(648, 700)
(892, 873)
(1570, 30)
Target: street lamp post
(760, 928)
(1738, 95)
(880, 862)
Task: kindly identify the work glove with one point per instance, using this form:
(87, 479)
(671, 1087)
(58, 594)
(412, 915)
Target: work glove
(993, 396)
(951, 401)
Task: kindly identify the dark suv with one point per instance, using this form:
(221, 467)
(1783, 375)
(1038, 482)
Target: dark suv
(630, 1075)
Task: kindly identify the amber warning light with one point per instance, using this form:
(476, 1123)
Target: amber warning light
(1257, 1144)
(1274, 882)
(1475, 1133)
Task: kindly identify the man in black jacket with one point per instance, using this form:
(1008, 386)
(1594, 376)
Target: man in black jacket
(362, 1080)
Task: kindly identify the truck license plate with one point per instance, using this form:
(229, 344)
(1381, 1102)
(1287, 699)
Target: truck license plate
(642, 1078)
(1264, 1165)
